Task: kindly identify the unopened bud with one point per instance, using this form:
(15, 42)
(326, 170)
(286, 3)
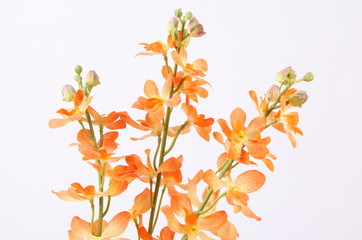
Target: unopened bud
(195, 29)
(78, 69)
(68, 93)
(92, 79)
(273, 93)
(286, 76)
(178, 13)
(298, 99)
(188, 16)
(175, 34)
(308, 77)
(172, 24)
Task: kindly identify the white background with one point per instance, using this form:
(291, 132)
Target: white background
(315, 191)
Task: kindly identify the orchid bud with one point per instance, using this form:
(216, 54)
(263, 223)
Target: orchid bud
(78, 69)
(308, 77)
(92, 79)
(273, 93)
(175, 34)
(188, 16)
(298, 99)
(68, 93)
(195, 29)
(172, 24)
(286, 76)
(178, 13)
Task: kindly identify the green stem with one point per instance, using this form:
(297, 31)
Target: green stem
(161, 159)
(213, 204)
(108, 205)
(138, 228)
(92, 218)
(159, 206)
(182, 127)
(156, 152)
(274, 106)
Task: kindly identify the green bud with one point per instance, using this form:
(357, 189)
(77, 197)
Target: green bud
(178, 13)
(78, 69)
(308, 77)
(175, 34)
(188, 16)
(286, 76)
(68, 93)
(298, 99)
(77, 78)
(92, 79)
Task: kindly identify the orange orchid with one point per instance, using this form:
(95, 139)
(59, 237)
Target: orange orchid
(240, 136)
(247, 182)
(170, 168)
(158, 47)
(191, 88)
(81, 103)
(195, 69)
(155, 101)
(111, 121)
(287, 122)
(77, 193)
(81, 229)
(104, 152)
(151, 123)
(194, 225)
(201, 124)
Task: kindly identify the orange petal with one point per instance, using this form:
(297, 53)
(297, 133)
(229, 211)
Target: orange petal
(214, 182)
(170, 165)
(250, 181)
(173, 224)
(117, 225)
(213, 221)
(151, 89)
(80, 228)
(237, 118)
(256, 126)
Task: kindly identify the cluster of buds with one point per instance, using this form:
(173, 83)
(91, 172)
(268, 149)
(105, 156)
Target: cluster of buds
(177, 27)
(182, 87)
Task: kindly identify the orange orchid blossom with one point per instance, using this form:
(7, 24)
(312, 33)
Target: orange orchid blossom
(105, 150)
(191, 88)
(151, 123)
(194, 226)
(154, 103)
(195, 69)
(77, 193)
(158, 47)
(111, 121)
(287, 122)
(81, 229)
(240, 136)
(201, 124)
(81, 103)
(170, 169)
(237, 196)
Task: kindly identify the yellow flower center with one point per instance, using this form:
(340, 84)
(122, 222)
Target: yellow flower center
(194, 229)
